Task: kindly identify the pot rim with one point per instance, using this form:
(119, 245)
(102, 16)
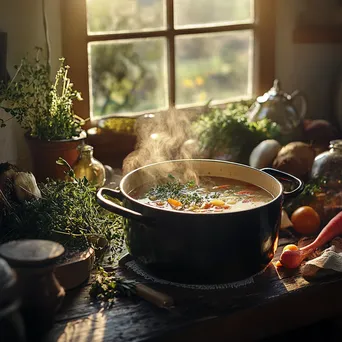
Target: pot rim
(124, 179)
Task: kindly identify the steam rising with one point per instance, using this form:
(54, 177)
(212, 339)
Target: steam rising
(166, 136)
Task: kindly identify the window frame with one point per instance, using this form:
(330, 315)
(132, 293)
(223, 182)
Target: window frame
(75, 39)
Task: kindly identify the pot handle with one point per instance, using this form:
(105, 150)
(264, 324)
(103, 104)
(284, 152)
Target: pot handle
(119, 209)
(286, 177)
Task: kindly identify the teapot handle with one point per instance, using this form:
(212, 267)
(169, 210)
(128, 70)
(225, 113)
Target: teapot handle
(303, 102)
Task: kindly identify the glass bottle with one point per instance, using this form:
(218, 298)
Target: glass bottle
(89, 167)
(329, 164)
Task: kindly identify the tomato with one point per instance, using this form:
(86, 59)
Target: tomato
(306, 221)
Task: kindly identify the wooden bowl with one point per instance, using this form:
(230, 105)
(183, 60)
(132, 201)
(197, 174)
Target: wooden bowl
(76, 270)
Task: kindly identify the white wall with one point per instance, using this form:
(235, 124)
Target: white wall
(23, 22)
(309, 67)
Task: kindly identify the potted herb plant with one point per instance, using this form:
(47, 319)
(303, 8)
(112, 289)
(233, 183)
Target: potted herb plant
(44, 108)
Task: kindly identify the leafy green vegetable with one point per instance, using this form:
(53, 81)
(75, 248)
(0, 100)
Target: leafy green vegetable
(222, 131)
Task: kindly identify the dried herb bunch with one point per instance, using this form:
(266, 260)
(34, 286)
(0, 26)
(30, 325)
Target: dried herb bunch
(67, 212)
(228, 131)
(42, 107)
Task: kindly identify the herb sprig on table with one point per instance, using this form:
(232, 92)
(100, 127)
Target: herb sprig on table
(107, 286)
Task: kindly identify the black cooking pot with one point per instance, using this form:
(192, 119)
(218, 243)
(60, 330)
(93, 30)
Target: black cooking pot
(201, 247)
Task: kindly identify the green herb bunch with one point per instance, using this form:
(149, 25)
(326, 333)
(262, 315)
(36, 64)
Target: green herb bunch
(228, 131)
(107, 286)
(66, 213)
(42, 107)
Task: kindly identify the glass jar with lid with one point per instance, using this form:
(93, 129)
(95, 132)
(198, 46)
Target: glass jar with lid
(329, 165)
(89, 167)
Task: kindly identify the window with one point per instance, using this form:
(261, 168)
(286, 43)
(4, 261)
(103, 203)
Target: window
(132, 56)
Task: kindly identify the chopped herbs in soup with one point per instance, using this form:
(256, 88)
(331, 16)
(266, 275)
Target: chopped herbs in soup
(211, 194)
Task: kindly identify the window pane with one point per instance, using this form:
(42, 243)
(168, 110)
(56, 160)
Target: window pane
(204, 12)
(213, 66)
(128, 76)
(106, 16)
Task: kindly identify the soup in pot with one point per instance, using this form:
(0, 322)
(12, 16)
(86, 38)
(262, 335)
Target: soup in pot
(209, 194)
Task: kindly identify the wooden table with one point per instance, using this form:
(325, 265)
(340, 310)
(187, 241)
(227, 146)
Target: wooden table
(276, 302)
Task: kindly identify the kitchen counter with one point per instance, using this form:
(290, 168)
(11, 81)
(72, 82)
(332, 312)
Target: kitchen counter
(277, 301)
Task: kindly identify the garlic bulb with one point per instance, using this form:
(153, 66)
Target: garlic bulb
(26, 186)
(285, 220)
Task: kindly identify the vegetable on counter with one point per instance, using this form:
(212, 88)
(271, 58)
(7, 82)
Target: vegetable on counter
(293, 258)
(26, 187)
(264, 154)
(295, 158)
(305, 220)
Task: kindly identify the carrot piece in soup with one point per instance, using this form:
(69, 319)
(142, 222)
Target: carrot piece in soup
(206, 205)
(174, 202)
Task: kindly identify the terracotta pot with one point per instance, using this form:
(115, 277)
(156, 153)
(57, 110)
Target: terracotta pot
(44, 154)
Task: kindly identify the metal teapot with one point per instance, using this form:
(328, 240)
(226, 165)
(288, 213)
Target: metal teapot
(279, 107)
